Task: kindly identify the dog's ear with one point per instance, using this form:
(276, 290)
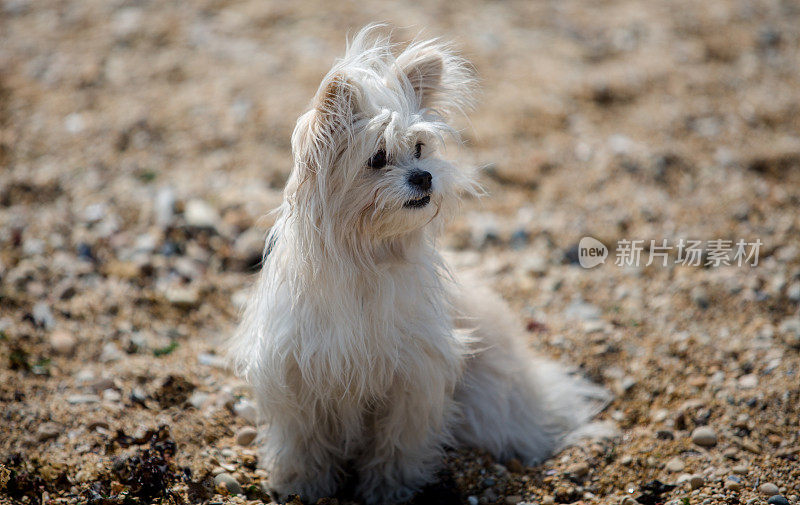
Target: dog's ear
(441, 81)
(335, 103)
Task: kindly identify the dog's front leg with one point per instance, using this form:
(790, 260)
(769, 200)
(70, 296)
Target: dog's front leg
(296, 454)
(408, 433)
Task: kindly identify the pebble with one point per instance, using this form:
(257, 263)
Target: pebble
(200, 214)
(111, 395)
(46, 431)
(704, 436)
(182, 296)
(246, 410)
(748, 381)
(229, 482)
(768, 489)
(579, 470)
(700, 297)
(777, 500)
(43, 316)
(793, 292)
(628, 501)
(513, 499)
(472, 500)
(82, 399)
(740, 469)
(164, 206)
(246, 435)
(578, 309)
(675, 465)
(696, 481)
(62, 342)
(110, 352)
(733, 483)
(490, 495)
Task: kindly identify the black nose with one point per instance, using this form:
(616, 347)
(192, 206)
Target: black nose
(420, 179)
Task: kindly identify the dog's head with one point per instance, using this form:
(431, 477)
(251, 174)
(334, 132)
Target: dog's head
(365, 155)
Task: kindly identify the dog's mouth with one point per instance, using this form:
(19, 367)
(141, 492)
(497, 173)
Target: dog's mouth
(418, 203)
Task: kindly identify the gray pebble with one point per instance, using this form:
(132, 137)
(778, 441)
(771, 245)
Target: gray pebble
(230, 483)
(778, 500)
(768, 489)
(490, 495)
(43, 316)
(704, 436)
(733, 483)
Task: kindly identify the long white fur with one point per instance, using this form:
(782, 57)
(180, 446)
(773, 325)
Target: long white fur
(365, 356)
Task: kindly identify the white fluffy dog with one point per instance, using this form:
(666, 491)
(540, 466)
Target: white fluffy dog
(366, 358)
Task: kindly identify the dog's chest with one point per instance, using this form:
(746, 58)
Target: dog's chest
(378, 334)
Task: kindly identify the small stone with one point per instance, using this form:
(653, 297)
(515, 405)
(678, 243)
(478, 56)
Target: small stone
(490, 495)
(578, 309)
(246, 435)
(579, 470)
(740, 469)
(696, 481)
(110, 353)
(793, 291)
(700, 297)
(246, 410)
(226, 480)
(684, 477)
(675, 465)
(704, 436)
(46, 431)
(182, 296)
(513, 499)
(733, 483)
(200, 214)
(768, 489)
(628, 501)
(43, 316)
(748, 381)
(111, 395)
(164, 206)
(777, 500)
(82, 399)
(62, 342)
(472, 500)
(199, 399)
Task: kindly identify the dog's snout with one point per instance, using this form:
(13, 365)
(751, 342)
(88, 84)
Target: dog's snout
(420, 179)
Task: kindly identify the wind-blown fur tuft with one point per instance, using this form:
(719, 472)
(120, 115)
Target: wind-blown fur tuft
(365, 356)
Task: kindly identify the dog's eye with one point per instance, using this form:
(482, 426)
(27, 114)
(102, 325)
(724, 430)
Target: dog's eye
(378, 159)
(418, 149)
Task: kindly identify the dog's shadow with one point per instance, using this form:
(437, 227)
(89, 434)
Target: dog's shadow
(444, 491)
